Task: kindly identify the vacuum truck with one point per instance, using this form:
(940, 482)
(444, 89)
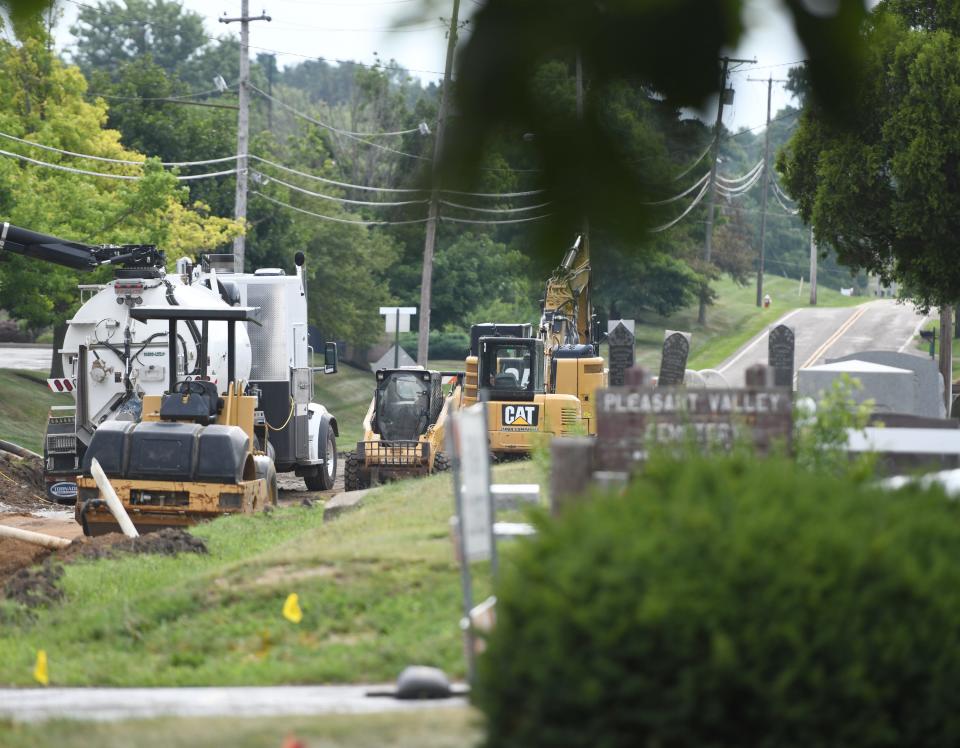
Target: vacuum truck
(111, 360)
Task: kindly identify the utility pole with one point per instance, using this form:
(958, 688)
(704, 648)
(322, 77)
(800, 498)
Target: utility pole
(813, 269)
(946, 356)
(430, 240)
(766, 187)
(243, 125)
(715, 155)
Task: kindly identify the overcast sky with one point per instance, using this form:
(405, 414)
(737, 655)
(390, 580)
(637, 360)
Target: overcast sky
(357, 29)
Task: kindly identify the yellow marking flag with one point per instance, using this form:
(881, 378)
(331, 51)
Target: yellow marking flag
(40, 673)
(291, 608)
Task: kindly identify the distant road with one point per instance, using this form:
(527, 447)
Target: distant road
(25, 357)
(831, 332)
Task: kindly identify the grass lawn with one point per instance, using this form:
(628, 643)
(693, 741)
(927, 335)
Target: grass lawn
(731, 321)
(347, 395)
(25, 400)
(437, 728)
(378, 587)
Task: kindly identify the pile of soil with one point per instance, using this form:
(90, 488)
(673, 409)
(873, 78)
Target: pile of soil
(21, 483)
(24, 582)
(167, 542)
(36, 586)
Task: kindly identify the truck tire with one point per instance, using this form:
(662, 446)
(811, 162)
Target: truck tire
(441, 463)
(326, 474)
(353, 478)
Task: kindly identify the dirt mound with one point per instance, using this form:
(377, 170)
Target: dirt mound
(38, 585)
(16, 555)
(21, 482)
(167, 542)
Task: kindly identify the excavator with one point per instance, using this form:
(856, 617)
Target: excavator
(544, 383)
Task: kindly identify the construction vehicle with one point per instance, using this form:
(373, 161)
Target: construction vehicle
(111, 361)
(191, 455)
(299, 434)
(543, 384)
(405, 427)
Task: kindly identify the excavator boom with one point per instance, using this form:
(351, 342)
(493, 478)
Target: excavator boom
(76, 255)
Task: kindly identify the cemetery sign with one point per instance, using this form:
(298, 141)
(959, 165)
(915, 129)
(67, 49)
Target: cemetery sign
(632, 420)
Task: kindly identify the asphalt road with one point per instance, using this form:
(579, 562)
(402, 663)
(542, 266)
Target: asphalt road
(35, 357)
(823, 333)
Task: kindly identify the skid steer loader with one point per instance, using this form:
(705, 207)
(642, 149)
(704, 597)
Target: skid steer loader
(192, 455)
(404, 427)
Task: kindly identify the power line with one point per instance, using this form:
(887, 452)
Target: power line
(737, 134)
(450, 219)
(104, 175)
(675, 221)
(691, 167)
(344, 200)
(769, 67)
(333, 218)
(493, 194)
(732, 182)
(339, 131)
(333, 60)
(345, 133)
(114, 160)
(495, 210)
(683, 194)
(178, 97)
(382, 30)
(333, 182)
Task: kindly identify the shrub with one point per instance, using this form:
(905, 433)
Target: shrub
(731, 602)
(452, 344)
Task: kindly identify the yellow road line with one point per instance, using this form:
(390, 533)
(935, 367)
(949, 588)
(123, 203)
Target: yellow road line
(838, 333)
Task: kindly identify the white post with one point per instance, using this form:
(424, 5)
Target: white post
(37, 538)
(113, 501)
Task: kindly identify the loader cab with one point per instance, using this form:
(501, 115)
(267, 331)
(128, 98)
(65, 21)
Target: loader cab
(408, 401)
(510, 368)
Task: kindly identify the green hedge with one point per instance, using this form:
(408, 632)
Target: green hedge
(731, 603)
(443, 345)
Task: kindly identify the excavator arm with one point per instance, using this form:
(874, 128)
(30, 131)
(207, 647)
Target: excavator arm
(76, 255)
(567, 308)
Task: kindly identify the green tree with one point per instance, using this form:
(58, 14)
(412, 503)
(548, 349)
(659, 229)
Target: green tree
(672, 48)
(886, 193)
(476, 276)
(43, 100)
(112, 33)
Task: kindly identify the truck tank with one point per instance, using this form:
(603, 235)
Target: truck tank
(126, 359)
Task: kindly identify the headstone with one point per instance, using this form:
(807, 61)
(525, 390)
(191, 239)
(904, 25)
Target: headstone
(692, 378)
(890, 388)
(714, 379)
(928, 380)
(673, 361)
(622, 346)
(632, 420)
(630, 324)
(781, 344)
